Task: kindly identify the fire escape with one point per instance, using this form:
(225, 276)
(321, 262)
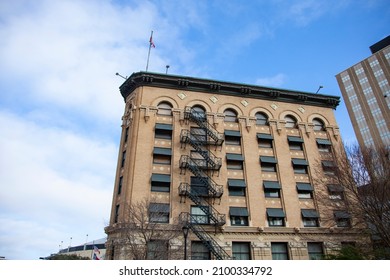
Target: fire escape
(202, 164)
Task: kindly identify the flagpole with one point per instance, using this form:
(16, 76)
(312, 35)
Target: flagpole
(150, 46)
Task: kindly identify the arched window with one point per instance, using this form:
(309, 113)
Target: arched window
(230, 115)
(164, 108)
(261, 119)
(318, 125)
(291, 122)
(199, 111)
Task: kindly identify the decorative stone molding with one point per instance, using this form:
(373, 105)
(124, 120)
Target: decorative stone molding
(148, 111)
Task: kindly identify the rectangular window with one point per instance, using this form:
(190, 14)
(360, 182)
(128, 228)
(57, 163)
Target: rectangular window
(236, 187)
(116, 213)
(162, 156)
(232, 137)
(120, 185)
(160, 182)
(300, 166)
(342, 218)
(241, 250)
(295, 143)
(235, 161)
(199, 251)
(276, 217)
(199, 214)
(310, 218)
(271, 189)
(157, 249)
(198, 186)
(315, 250)
(163, 131)
(126, 134)
(268, 164)
(305, 191)
(279, 251)
(329, 167)
(159, 213)
(123, 159)
(336, 192)
(265, 140)
(238, 216)
(198, 135)
(324, 145)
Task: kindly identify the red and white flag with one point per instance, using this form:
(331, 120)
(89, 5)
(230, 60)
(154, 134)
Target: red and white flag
(151, 41)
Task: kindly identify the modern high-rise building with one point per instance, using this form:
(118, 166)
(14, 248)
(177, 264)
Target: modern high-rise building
(366, 91)
(220, 170)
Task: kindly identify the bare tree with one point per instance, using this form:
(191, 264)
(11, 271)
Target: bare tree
(357, 191)
(147, 234)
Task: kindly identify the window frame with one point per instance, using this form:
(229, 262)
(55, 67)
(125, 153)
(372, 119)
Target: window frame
(262, 121)
(164, 108)
(230, 115)
(238, 253)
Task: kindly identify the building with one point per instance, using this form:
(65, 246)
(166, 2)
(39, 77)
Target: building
(94, 250)
(242, 169)
(366, 91)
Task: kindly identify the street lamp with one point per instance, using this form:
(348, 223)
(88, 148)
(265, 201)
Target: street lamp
(185, 233)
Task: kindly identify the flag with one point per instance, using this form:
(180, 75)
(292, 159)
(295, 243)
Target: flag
(151, 41)
(96, 253)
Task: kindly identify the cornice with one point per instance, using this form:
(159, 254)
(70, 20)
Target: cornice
(150, 79)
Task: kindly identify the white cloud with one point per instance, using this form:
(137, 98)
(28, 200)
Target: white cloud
(274, 81)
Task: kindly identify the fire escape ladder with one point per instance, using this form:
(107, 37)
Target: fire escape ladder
(192, 223)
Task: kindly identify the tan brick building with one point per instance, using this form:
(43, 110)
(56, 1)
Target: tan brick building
(239, 165)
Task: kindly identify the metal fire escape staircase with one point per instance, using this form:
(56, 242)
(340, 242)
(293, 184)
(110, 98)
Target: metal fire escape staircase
(201, 166)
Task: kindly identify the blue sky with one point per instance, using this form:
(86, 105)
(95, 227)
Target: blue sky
(60, 106)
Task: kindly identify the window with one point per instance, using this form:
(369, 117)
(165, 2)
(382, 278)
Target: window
(236, 187)
(305, 190)
(199, 251)
(238, 216)
(164, 108)
(261, 119)
(160, 182)
(279, 251)
(157, 249)
(123, 159)
(275, 217)
(126, 134)
(199, 214)
(268, 164)
(291, 122)
(300, 166)
(309, 218)
(318, 125)
(329, 167)
(241, 250)
(162, 156)
(265, 140)
(324, 145)
(271, 189)
(230, 115)
(159, 213)
(342, 218)
(198, 135)
(315, 250)
(336, 192)
(234, 161)
(199, 186)
(199, 112)
(163, 131)
(295, 143)
(232, 137)
(120, 185)
(116, 213)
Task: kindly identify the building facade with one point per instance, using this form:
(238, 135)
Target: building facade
(366, 91)
(243, 168)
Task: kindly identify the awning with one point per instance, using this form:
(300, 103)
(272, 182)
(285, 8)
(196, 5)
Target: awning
(335, 188)
(265, 136)
(238, 211)
(159, 208)
(323, 141)
(342, 214)
(275, 212)
(309, 213)
(294, 139)
(267, 159)
(162, 151)
(237, 157)
(238, 183)
(161, 178)
(305, 187)
(232, 133)
(163, 126)
(298, 161)
(271, 185)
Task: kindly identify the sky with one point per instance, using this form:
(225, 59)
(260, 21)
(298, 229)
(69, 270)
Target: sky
(60, 106)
